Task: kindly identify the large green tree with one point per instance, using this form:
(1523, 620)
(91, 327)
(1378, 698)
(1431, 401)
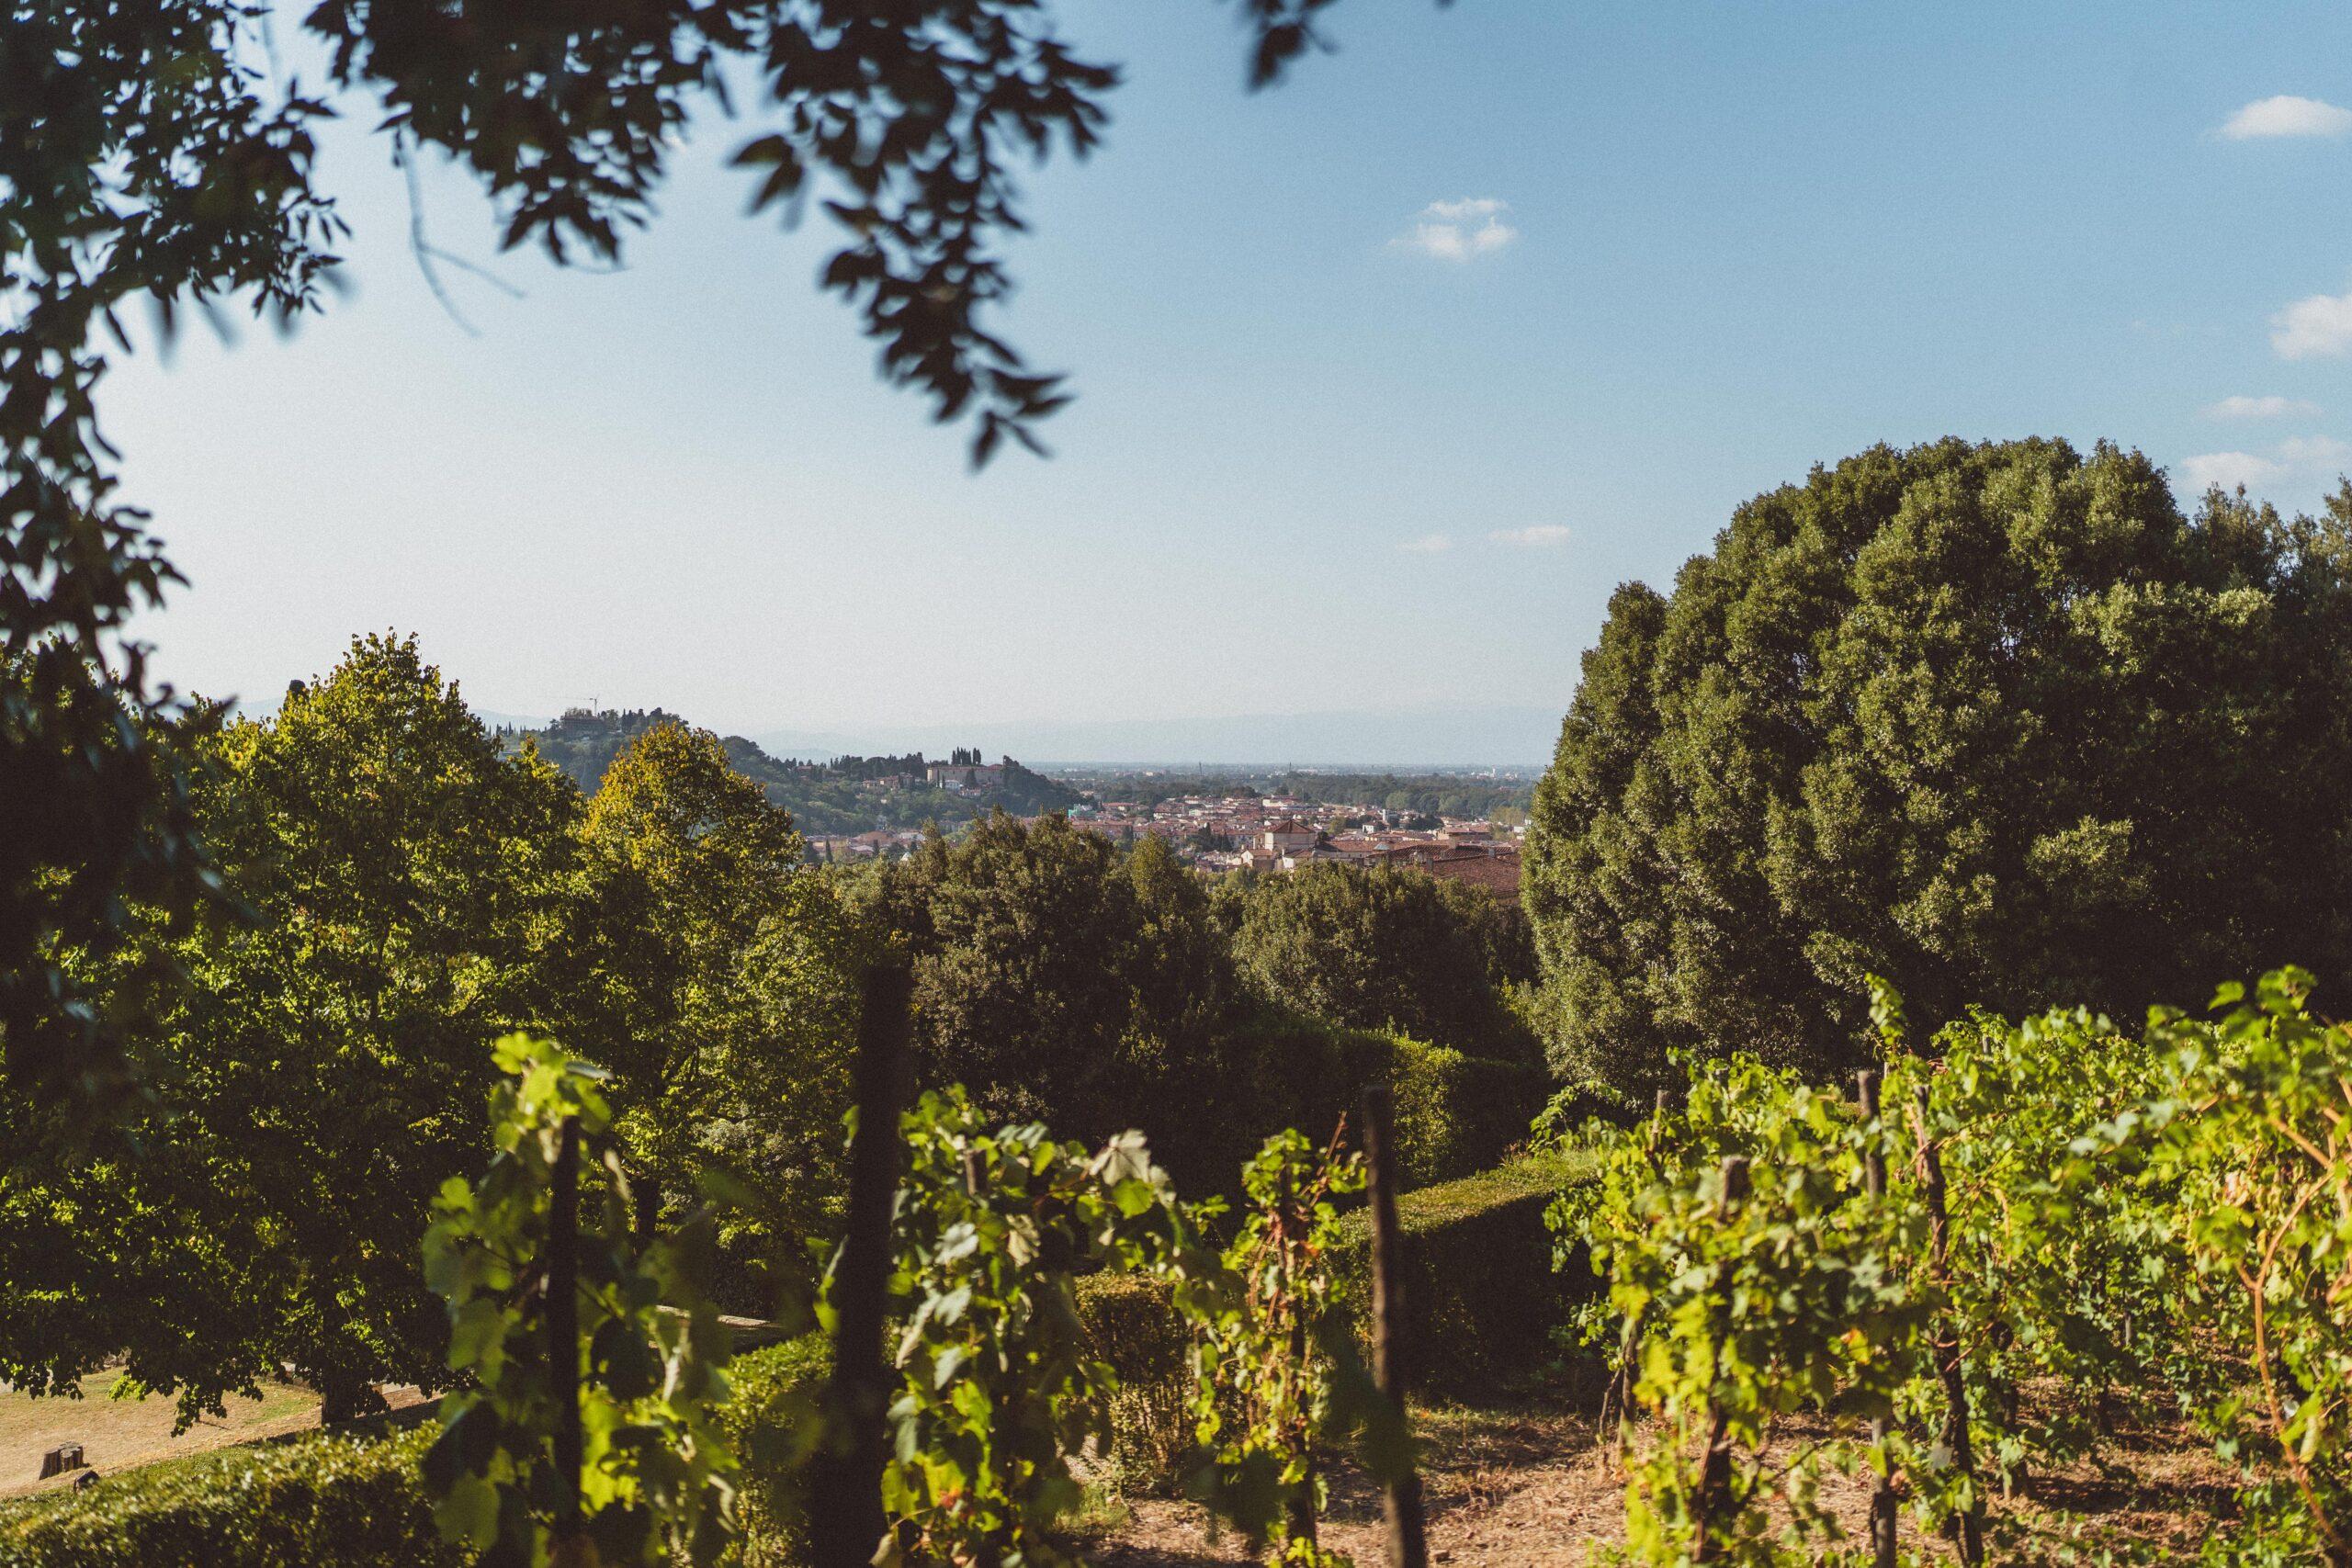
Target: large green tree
(1384, 948)
(715, 972)
(392, 880)
(1055, 975)
(1995, 721)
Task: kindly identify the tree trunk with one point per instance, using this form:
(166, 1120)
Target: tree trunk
(1882, 1510)
(1714, 1490)
(846, 1525)
(1401, 1500)
(1970, 1522)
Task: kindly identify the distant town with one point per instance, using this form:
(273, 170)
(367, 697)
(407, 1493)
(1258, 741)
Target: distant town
(1234, 822)
(1463, 823)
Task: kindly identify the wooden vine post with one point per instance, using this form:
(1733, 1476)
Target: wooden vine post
(1713, 1494)
(1882, 1510)
(1401, 1502)
(1971, 1519)
(1291, 1223)
(845, 1475)
(563, 1341)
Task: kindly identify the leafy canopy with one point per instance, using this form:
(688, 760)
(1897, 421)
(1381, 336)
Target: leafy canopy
(396, 878)
(1996, 722)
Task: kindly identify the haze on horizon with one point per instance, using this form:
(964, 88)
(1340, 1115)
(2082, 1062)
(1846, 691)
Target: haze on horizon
(1385, 378)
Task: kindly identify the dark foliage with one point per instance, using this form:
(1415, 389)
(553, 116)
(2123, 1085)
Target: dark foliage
(1996, 722)
(1385, 948)
(1053, 974)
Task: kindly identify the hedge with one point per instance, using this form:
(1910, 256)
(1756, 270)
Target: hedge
(332, 1500)
(335, 1500)
(1455, 1114)
(775, 1390)
(1483, 1304)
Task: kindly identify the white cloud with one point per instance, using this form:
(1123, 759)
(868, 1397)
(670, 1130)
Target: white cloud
(2319, 327)
(1540, 536)
(2270, 407)
(2311, 451)
(2286, 114)
(2293, 466)
(2227, 469)
(1428, 544)
(1458, 231)
(1468, 207)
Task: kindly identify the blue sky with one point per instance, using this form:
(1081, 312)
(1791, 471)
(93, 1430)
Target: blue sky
(1386, 378)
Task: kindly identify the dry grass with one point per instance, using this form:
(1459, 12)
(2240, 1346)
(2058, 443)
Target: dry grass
(122, 1433)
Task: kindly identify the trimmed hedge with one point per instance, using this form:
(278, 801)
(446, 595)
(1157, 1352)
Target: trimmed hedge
(348, 1502)
(1135, 1327)
(775, 1390)
(338, 1500)
(1455, 1114)
(1483, 1304)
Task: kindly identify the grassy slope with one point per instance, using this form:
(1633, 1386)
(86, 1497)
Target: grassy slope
(118, 1433)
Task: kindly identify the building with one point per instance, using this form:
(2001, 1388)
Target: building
(965, 778)
(1495, 870)
(1288, 837)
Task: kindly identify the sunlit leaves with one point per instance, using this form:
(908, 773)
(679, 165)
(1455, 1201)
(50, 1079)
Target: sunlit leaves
(998, 1384)
(2257, 1133)
(1278, 1378)
(656, 1474)
(1747, 1280)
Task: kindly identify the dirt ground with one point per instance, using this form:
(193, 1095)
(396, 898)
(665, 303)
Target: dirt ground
(123, 1434)
(1528, 1487)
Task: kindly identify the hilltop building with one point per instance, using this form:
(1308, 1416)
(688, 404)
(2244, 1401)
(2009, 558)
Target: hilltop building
(965, 778)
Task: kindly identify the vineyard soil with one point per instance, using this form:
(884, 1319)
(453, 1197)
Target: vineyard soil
(1526, 1486)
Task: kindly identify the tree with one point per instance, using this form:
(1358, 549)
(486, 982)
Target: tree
(716, 973)
(1054, 975)
(1994, 721)
(326, 1068)
(1384, 948)
(146, 151)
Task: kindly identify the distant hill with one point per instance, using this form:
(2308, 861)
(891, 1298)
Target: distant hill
(1463, 737)
(836, 794)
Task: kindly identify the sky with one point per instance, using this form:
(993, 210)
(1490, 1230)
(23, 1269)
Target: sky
(1385, 378)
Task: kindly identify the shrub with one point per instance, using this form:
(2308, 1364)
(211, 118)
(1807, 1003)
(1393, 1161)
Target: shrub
(1483, 1305)
(1456, 1114)
(1132, 1325)
(329, 1501)
(336, 1500)
(775, 1392)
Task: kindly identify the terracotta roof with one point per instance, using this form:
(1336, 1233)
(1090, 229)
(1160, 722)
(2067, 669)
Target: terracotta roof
(1498, 874)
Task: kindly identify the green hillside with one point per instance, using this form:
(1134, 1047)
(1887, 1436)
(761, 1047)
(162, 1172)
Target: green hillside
(838, 795)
